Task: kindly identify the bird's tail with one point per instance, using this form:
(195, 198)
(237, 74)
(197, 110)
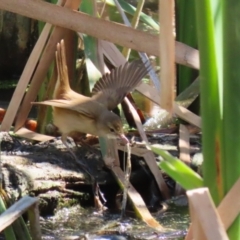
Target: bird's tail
(62, 85)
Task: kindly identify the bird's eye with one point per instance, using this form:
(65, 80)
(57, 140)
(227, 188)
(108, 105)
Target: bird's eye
(111, 129)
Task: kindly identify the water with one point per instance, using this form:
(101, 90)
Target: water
(79, 223)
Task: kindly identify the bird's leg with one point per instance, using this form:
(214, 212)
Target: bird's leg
(64, 141)
(96, 189)
(82, 165)
(87, 146)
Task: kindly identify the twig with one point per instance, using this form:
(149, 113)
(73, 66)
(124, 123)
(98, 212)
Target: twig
(127, 180)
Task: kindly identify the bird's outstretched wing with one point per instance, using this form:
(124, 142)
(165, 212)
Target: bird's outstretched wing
(111, 89)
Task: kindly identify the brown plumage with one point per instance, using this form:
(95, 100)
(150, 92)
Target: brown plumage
(73, 112)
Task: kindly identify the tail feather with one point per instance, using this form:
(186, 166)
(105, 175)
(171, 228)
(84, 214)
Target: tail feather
(62, 86)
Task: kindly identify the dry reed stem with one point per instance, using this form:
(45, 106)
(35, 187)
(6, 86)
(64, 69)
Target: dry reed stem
(149, 156)
(167, 58)
(28, 134)
(15, 211)
(117, 59)
(206, 221)
(184, 145)
(24, 80)
(139, 204)
(186, 115)
(111, 158)
(99, 28)
(42, 68)
(228, 209)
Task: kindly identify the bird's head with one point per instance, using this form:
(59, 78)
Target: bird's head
(109, 124)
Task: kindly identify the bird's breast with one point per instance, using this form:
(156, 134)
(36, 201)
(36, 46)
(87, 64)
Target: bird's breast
(68, 121)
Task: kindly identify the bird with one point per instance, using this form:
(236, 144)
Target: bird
(74, 112)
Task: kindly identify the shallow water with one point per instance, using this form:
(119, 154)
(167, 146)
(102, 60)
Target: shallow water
(79, 223)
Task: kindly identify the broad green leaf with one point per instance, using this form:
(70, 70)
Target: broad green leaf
(8, 232)
(178, 170)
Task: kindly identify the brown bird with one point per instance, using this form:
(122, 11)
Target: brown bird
(73, 112)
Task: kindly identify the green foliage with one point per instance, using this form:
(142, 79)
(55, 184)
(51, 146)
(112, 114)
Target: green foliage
(131, 10)
(90, 46)
(219, 43)
(178, 170)
(210, 102)
(8, 232)
(185, 33)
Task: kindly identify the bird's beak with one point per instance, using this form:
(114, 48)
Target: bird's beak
(123, 138)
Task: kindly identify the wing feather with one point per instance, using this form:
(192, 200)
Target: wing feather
(112, 88)
(83, 105)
